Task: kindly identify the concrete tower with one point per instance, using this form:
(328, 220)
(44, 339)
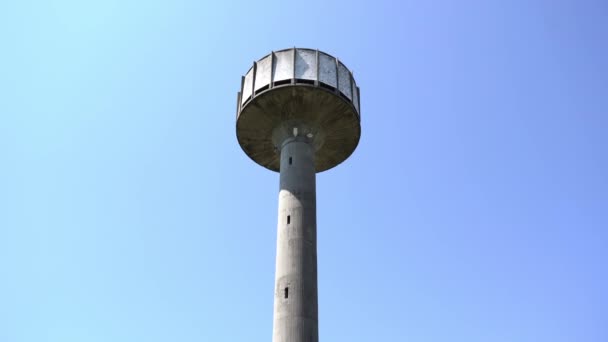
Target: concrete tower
(297, 113)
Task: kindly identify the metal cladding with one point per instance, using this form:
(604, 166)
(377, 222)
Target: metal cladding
(303, 87)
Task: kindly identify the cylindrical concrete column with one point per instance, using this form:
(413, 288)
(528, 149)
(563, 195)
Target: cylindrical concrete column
(295, 297)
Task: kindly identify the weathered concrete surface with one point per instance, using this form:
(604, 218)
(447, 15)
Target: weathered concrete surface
(295, 295)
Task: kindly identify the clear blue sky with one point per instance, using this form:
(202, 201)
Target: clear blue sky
(474, 209)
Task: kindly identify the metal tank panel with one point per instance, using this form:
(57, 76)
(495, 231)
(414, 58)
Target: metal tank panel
(327, 71)
(306, 64)
(356, 96)
(263, 72)
(247, 86)
(282, 68)
(344, 83)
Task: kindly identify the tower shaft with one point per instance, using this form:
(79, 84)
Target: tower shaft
(295, 298)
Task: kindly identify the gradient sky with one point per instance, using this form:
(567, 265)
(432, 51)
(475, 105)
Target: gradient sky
(474, 209)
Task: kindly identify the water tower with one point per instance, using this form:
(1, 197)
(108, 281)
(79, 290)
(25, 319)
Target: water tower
(298, 114)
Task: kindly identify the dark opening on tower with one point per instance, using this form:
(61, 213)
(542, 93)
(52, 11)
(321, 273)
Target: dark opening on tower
(286, 292)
